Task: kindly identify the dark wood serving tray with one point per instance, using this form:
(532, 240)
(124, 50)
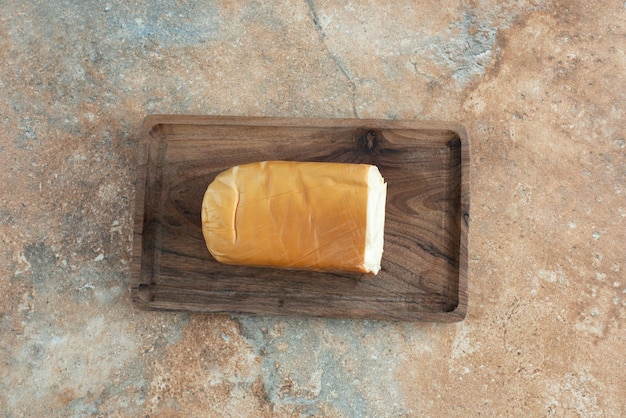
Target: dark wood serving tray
(424, 266)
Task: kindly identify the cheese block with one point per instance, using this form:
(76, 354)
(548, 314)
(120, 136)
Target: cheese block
(297, 215)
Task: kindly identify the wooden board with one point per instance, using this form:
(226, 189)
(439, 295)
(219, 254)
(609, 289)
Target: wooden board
(424, 266)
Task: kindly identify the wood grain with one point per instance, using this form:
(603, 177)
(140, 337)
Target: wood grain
(424, 266)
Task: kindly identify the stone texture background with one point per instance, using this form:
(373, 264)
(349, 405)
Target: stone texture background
(540, 86)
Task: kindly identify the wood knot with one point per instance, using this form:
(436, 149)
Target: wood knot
(367, 141)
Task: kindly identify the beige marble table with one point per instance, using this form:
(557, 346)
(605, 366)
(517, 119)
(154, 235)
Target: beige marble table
(540, 86)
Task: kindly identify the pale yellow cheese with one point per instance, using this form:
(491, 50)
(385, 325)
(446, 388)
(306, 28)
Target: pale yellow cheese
(297, 215)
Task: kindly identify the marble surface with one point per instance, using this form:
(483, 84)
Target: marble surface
(540, 86)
